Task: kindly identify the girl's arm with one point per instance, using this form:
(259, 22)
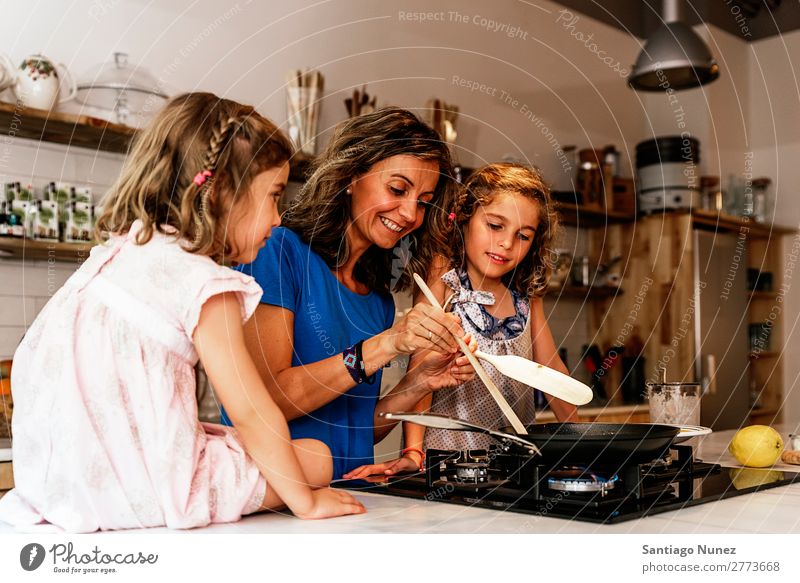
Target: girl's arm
(220, 343)
(413, 434)
(299, 390)
(545, 352)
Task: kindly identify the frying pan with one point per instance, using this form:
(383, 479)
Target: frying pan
(601, 444)
(590, 444)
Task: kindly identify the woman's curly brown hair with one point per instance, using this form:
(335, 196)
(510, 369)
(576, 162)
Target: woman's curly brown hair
(320, 214)
(531, 275)
(192, 133)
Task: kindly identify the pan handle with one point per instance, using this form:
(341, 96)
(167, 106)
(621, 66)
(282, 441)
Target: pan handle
(709, 380)
(443, 422)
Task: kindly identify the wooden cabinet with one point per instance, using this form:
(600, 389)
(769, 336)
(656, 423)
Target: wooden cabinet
(765, 318)
(667, 275)
(593, 228)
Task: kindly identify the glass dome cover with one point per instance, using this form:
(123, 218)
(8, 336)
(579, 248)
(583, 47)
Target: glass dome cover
(122, 88)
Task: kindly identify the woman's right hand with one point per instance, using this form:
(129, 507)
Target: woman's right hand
(426, 327)
(329, 503)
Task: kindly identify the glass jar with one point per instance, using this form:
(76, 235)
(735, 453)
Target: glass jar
(760, 210)
(674, 403)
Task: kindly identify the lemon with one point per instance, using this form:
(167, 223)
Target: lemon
(757, 446)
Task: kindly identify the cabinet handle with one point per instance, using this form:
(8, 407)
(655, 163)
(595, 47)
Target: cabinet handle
(710, 377)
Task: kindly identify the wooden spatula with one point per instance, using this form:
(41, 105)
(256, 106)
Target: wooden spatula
(537, 375)
(518, 426)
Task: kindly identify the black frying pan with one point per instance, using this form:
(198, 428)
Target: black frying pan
(600, 444)
(589, 444)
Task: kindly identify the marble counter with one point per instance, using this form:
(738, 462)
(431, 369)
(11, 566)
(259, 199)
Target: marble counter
(772, 511)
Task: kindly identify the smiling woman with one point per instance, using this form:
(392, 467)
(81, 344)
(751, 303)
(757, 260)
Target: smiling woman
(373, 212)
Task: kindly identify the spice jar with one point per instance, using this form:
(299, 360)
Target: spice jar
(760, 211)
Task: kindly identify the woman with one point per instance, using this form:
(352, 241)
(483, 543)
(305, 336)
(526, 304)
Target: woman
(371, 214)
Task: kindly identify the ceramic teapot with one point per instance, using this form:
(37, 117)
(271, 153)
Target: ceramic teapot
(36, 82)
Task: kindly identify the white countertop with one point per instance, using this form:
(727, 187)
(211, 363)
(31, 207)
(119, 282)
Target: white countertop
(775, 510)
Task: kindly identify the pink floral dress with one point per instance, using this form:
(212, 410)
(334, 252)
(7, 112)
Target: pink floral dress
(105, 427)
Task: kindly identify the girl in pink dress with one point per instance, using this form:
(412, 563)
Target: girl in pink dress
(105, 427)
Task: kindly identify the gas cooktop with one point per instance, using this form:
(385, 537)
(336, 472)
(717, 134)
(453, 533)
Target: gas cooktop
(501, 479)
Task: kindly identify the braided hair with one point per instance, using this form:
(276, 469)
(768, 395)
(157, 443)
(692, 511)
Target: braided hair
(188, 168)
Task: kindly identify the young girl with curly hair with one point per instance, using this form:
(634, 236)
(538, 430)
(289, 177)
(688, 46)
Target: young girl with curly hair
(503, 225)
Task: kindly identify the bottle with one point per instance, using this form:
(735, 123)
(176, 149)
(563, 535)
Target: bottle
(709, 187)
(3, 219)
(15, 229)
(760, 186)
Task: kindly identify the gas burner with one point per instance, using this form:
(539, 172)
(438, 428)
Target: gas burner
(470, 466)
(580, 480)
(471, 472)
(663, 462)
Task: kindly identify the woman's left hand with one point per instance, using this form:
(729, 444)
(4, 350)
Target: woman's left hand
(440, 371)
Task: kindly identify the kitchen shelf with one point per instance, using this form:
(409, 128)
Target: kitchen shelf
(763, 295)
(580, 216)
(721, 222)
(633, 413)
(765, 415)
(80, 131)
(584, 292)
(764, 410)
(33, 249)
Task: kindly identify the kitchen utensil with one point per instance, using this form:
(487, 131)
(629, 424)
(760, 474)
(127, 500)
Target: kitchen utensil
(442, 422)
(36, 81)
(667, 170)
(518, 426)
(537, 375)
(689, 431)
(303, 92)
(561, 269)
(590, 178)
(592, 362)
(580, 271)
(595, 444)
(600, 444)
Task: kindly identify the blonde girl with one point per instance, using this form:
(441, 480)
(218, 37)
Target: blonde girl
(106, 434)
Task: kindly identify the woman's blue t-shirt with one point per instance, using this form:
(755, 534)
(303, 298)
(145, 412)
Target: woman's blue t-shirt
(328, 318)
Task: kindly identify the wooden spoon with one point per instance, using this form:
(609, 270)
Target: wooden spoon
(537, 375)
(518, 426)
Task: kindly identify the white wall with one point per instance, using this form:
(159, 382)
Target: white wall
(26, 286)
(774, 122)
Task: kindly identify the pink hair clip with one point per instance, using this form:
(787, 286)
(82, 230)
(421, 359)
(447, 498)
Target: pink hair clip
(451, 217)
(200, 177)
